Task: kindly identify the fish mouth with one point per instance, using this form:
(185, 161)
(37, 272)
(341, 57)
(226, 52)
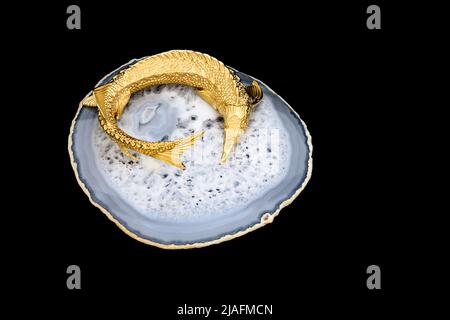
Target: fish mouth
(231, 137)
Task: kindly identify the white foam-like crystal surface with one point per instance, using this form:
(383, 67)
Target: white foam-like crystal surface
(208, 200)
(207, 187)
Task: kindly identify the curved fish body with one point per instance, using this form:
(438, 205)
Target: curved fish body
(215, 83)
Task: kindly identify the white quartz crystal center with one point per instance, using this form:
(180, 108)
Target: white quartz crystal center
(206, 187)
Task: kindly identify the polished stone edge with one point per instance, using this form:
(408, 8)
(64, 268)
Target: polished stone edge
(266, 217)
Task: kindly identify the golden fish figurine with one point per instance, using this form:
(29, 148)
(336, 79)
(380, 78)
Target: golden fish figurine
(214, 82)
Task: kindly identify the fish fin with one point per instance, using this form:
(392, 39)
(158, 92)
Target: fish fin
(173, 156)
(122, 103)
(230, 140)
(89, 101)
(100, 94)
(127, 152)
(255, 92)
(206, 95)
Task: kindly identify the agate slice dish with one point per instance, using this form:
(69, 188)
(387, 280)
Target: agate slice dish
(208, 202)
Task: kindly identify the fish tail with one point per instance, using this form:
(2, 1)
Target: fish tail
(173, 156)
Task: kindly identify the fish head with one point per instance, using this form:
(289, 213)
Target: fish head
(236, 117)
(255, 93)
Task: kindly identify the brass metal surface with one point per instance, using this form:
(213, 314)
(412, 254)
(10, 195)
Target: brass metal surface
(214, 82)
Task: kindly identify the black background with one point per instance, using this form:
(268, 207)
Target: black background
(347, 83)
